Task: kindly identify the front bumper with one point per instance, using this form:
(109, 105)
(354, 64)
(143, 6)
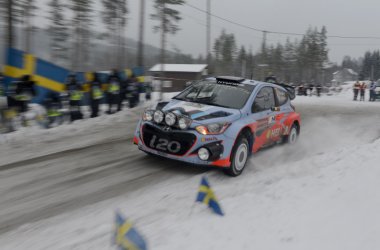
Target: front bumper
(217, 144)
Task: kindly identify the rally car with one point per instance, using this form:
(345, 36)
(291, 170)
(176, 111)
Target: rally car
(219, 122)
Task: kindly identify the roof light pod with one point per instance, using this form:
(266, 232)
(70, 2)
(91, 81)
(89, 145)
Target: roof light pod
(170, 119)
(184, 123)
(158, 116)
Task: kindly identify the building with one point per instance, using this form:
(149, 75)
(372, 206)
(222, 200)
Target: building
(175, 76)
(344, 75)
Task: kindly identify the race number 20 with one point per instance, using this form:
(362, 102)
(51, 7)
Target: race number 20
(165, 145)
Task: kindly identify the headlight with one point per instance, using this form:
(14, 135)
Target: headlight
(212, 129)
(158, 116)
(148, 115)
(170, 119)
(184, 123)
(203, 154)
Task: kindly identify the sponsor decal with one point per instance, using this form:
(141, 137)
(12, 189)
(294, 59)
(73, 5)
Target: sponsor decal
(208, 139)
(273, 133)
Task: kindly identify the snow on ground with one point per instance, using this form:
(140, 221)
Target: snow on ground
(31, 142)
(328, 200)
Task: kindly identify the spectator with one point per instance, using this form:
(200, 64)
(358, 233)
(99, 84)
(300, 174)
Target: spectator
(356, 89)
(132, 92)
(25, 92)
(52, 103)
(74, 90)
(96, 95)
(122, 94)
(362, 88)
(372, 94)
(113, 92)
(319, 90)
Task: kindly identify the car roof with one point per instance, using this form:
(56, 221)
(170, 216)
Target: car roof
(238, 80)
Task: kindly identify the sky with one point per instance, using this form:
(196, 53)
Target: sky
(341, 17)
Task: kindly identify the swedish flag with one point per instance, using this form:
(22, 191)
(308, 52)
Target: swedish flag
(47, 75)
(126, 236)
(206, 195)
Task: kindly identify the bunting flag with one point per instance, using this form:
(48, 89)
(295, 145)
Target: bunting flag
(206, 195)
(126, 236)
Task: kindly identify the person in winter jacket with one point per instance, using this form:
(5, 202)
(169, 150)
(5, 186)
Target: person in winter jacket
(356, 89)
(319, 89)
(25, 92)
(74, 90)
(96, 95)
(113, 92)
(372, 94)
(362, 88)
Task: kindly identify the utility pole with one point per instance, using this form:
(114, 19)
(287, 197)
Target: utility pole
(10, 23)
(263, 53)
(264, 45)
(163, 43)
(208, 35)
(140, 53)
(28, 28)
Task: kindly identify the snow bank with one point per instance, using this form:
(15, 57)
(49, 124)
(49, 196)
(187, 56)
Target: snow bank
(30, 142)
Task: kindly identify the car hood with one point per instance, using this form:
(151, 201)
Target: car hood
(202, 113)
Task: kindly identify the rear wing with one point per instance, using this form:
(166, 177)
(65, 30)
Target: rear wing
(290, 89)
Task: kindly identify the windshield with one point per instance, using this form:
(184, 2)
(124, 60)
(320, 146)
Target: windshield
(222, 95)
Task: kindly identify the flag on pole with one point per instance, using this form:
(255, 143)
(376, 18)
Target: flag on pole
(126, 236)
(206, 195)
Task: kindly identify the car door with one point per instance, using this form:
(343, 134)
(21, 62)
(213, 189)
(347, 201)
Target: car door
(262, 112)
(280, 112)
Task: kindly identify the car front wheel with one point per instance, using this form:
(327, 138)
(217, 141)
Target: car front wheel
(240, 153)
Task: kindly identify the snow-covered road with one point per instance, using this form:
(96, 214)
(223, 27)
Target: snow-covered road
(67, 194)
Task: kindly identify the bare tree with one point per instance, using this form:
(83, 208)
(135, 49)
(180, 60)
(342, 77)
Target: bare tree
(81, 23)
(115, 18)
(168, 18)
(58, 32)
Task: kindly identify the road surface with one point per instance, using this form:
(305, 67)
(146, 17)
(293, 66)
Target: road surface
(46, 186)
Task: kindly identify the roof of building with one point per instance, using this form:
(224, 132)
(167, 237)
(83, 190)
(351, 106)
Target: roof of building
(352, 72)
(179, 68)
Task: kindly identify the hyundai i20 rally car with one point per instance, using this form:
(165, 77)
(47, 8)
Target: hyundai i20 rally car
(220, 122)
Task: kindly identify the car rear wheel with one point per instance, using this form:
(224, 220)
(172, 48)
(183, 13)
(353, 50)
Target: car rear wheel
(293, 135)
(240, 153)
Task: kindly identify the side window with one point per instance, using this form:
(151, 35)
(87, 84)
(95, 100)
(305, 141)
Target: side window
(264, 100)
(282, 96)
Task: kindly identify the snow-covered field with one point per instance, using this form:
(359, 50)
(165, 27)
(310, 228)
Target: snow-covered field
(320, 194)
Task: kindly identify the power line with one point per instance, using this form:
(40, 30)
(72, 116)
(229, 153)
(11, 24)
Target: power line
(277, 32)
(202, 23)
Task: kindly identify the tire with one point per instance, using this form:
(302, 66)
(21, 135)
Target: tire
(239, 157)
(291, 139)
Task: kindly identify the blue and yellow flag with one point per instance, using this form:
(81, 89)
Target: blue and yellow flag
(47, 76)
(206, 195)
(126, 236)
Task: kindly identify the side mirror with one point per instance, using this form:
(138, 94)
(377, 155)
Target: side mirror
(275, 109)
